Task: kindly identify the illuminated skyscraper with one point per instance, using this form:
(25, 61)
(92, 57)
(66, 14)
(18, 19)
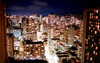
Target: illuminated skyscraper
(92, 43)
(34, 50)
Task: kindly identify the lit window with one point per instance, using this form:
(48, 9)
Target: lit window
(91, 15)
(96, 17)
(96, 11)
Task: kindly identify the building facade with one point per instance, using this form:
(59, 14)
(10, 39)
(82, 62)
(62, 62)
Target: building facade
(3, 55)
(92, 42)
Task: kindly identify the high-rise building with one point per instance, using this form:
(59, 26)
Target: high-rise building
(92, 42)
(34, 50)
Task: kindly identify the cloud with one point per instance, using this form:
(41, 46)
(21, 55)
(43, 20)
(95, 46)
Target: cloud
(36, 6)
(16, 7)
(39, 3)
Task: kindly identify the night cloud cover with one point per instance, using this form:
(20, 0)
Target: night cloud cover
(21, 7)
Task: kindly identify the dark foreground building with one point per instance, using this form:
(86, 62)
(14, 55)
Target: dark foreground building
(3, 55)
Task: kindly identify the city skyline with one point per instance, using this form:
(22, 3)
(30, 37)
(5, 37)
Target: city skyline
(55, 31)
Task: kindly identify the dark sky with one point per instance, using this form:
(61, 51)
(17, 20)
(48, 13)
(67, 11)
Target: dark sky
(28, 7)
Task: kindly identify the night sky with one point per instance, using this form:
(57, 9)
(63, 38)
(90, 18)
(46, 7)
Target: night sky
(28, 7)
